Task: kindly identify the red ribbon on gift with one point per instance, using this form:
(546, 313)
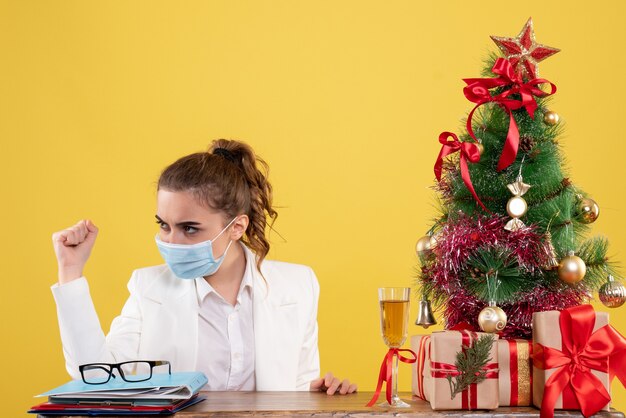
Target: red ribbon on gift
(477, 91)
(514, 371)
(469, 398)
(385, 372)
(582, 351)
(421, 362)
(462, 326)
(469, 151)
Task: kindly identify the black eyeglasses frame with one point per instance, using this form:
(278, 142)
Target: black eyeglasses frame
(110, 367)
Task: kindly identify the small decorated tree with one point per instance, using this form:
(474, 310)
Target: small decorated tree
(510, 240)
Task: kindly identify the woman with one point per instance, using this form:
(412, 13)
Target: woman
(216, 306)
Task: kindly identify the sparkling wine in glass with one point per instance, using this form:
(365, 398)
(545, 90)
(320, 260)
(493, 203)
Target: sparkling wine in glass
(394, 320)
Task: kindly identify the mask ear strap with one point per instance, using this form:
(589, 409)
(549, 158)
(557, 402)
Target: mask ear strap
(225, 228)
(226, 250)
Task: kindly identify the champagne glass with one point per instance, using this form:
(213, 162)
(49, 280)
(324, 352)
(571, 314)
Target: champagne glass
(394, 319)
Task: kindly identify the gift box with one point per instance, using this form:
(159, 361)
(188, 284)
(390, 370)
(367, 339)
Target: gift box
(574, 353)
(420, 344)
(436, 358)
(515, 372)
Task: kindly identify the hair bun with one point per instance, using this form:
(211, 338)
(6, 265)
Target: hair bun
(223, 152)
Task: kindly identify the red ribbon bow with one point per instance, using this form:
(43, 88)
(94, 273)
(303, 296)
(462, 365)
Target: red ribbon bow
(385, 372)
(477, 91)
(583, 351)
(469, 151)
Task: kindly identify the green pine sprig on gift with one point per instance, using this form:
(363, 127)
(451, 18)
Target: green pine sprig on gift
(471, 362)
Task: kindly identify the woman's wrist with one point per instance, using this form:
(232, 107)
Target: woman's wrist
(68, 274)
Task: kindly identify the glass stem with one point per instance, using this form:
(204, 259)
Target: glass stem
(394, 378)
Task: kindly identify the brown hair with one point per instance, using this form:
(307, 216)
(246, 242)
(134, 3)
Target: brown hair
(230, 178)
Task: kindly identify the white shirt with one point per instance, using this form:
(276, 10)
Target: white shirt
(226, 336)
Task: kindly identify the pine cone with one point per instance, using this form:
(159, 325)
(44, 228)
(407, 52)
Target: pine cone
(527, 143)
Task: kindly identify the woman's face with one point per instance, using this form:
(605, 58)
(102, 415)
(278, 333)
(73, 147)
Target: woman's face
(182, 220)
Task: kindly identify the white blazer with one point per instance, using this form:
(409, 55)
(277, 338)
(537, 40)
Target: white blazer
(160, 322)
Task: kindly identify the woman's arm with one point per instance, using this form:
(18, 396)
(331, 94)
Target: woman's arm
(309, 365)
(309, 368)
(81, 333)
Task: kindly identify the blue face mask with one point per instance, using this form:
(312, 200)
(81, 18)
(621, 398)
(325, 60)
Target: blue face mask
(191, 261)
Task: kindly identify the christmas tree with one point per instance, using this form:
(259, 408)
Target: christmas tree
(511, 236)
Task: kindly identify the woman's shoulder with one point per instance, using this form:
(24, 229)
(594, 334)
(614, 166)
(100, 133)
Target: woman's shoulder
(287, 268)
(146, 280)
(151, 272)
(289, 274)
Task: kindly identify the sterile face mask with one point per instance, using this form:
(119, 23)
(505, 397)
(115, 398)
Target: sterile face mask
(191, 261)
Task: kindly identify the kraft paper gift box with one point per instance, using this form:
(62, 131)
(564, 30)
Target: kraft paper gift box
(442, 348)
(547, 333)
(515, 376)
(420, 344)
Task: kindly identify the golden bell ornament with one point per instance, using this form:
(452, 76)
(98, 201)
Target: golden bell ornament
(492, 318)
(612, 294)
(425, 317)
(551, 118)
(572, 268)
(587, 210)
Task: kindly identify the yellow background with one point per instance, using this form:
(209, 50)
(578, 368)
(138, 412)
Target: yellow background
(344, 100)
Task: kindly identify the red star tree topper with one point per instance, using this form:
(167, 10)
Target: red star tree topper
(524, 52)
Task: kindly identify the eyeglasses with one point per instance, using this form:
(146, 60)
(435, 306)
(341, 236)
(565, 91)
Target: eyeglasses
(101, 373)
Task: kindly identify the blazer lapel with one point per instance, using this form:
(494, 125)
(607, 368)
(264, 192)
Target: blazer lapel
(175, 312)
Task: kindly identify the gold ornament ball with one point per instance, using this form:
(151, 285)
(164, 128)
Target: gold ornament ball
(492, 319)
(516, 207)
(481, 148)
(424, 245)
(433, 241)
(572, 269)
(612, 294)
(588, 210)
(551, 118)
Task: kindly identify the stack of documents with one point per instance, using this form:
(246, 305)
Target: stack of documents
(163, 394)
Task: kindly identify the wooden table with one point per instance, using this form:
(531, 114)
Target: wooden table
(319, 405)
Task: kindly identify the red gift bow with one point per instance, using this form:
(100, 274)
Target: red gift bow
(469, 398)
(583, 350)
(477, 91)
(469, 151)
(385, 372)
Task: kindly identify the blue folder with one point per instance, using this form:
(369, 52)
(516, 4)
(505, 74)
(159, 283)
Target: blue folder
(179, 385)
